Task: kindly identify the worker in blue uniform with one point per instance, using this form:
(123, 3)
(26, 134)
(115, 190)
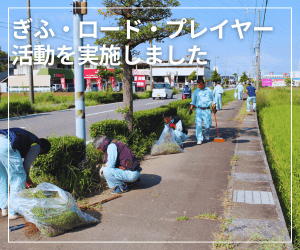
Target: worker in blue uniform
(240, 90)
(202, 99)
(17, 143)
(187, 91)
(121, 166)
(218, 92)
(251, 92)
(179, 129)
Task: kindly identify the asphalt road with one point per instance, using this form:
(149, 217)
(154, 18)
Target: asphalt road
(62, 122)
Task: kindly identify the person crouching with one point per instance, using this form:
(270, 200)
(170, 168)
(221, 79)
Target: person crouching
(179, 129)
(121, 166)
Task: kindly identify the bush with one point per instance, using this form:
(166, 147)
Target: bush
(16, 108)
(63, 165)
(145, 95)
(175, 91)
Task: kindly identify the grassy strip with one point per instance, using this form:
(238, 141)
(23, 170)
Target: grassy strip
(274, 114)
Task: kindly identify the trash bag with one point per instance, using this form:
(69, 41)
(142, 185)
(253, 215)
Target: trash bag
(166, 144)
(51, 209)
(235, 95)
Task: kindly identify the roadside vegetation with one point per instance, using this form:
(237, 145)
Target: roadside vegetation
(19, 103)
(274, 114)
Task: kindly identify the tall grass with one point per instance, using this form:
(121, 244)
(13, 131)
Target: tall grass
(274, 113)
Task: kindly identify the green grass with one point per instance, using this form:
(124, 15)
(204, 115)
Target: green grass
(274, 113)
(182, 218)
(207, 216)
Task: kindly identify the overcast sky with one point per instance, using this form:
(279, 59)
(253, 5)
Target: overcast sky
(231, 54)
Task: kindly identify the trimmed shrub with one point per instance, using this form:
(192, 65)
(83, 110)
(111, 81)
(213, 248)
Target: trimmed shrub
(16, 108)
(175, 91)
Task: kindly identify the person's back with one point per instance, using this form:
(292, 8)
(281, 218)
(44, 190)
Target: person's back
(251, 91)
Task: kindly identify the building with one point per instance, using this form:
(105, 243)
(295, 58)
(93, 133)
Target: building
(45, 76)
(231, 79)
(176, 75)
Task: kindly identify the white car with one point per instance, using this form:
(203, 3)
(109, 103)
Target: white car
(162, 90)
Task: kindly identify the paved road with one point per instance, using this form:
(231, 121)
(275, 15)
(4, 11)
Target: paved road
(63, 122)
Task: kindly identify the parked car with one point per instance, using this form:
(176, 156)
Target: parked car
(162, 90)
(57, 88)
(94, 87)
(70, 87)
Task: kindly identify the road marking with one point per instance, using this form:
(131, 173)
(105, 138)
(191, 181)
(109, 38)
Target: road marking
(253, 197)
(100, 112)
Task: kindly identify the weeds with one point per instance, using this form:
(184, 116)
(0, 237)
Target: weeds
(208, 216)
(182, 218)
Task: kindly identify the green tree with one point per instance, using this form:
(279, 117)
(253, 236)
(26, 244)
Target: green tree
(215, 77)
(244, 77)
(3, 61)
(104, 74)
(225, 81)
(236, 76)
(288, 81)
(192, 76)
(142, 17)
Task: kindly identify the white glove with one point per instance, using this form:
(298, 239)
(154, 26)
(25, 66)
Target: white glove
(101, 172)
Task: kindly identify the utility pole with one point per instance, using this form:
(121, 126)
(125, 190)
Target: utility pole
(151, 77)
(30, 73)
(79, 9)
(258, 53)
(225, 70)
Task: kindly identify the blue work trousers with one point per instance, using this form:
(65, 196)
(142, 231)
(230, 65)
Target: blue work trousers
(202, 116)
(180, 137)
(240, 95)
(17, 174)
(249, 99)
(116, 176)
(218, 101)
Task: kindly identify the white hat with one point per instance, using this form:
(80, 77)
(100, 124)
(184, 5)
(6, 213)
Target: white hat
(186, 84)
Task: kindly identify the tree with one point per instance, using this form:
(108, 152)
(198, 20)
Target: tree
(104, 74)
(142, 17)
(244, 77)
(3, 61)
(288, 81)
(215, 77)
(225, 81)
(192, 76)
(236, 76)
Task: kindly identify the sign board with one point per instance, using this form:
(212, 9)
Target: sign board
(266, 83)
(63, 83)
(88, 83)
(59, 75)
(144, 72)
(99, 85)
(92, 73)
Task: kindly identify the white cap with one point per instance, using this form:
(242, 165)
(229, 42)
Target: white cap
(186, 84)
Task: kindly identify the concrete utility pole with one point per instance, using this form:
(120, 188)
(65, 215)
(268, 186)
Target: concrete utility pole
(30, 73)
(151, 77)
(258, 55)
(225, 70)
(79, 70)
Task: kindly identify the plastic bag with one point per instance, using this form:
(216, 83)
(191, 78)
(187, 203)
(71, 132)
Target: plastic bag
(166, 144)
(235, 95)
(51, 209)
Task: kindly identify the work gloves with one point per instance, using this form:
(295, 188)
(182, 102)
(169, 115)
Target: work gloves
(191, 111)
(214, 109)
(101, 171)
(172, 125)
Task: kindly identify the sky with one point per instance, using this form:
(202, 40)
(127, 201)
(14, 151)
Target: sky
(230, 54)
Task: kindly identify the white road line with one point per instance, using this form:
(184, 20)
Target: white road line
(100, 112)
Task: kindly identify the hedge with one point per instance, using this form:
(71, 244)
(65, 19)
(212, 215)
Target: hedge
(63, 166)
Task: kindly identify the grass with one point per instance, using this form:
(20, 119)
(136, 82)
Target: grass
(274, 114)
(182, 218)
(208, 216)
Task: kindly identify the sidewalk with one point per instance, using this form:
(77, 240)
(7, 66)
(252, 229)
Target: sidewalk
(199, 181)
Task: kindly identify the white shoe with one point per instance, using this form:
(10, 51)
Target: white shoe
(14, 216)
(199, 142)
(4, 212)
(248, 110)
